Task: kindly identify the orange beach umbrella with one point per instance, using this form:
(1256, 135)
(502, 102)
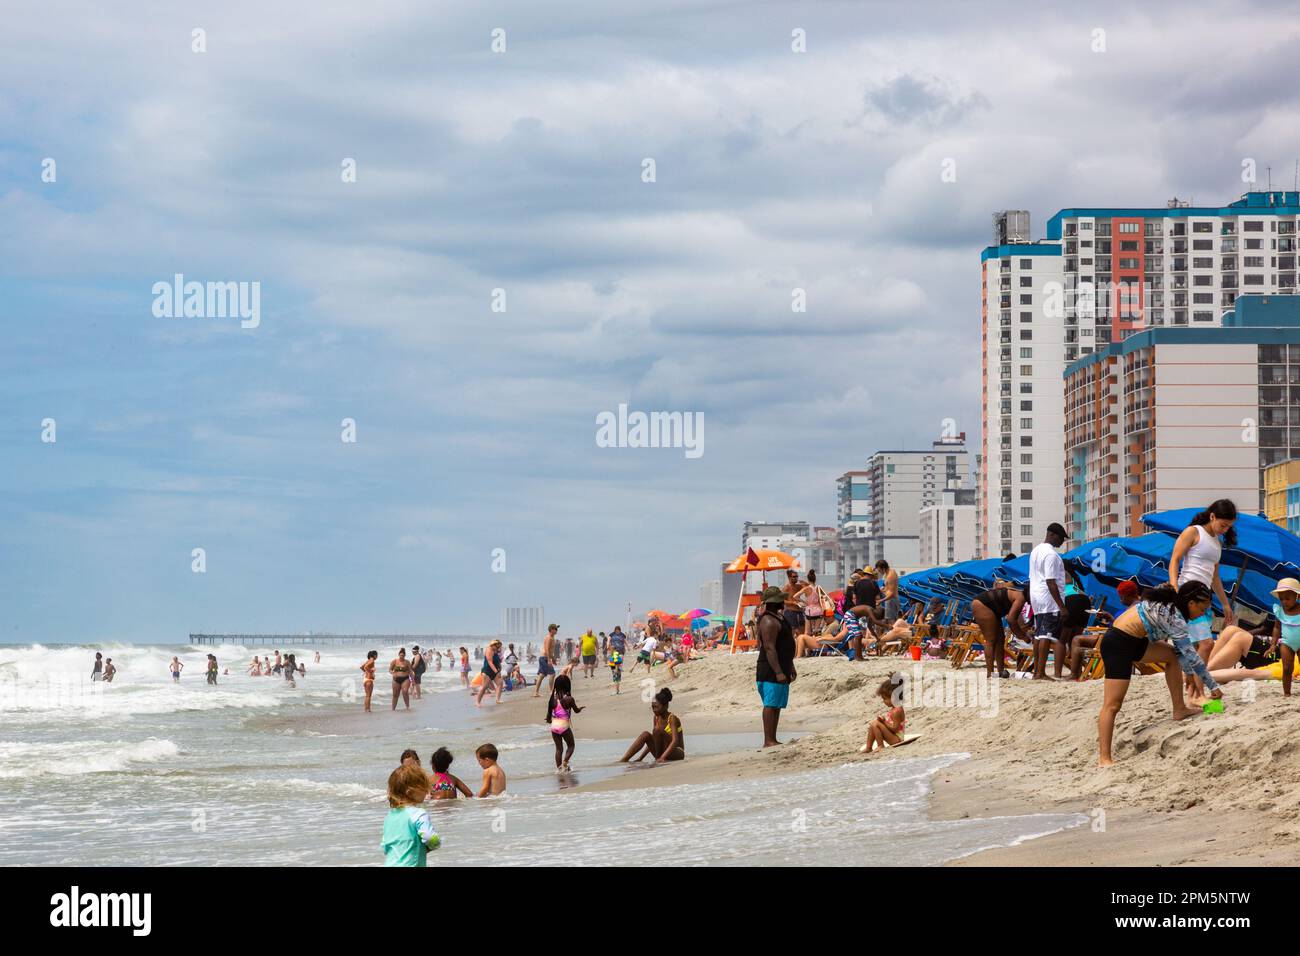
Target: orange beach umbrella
(766, 559)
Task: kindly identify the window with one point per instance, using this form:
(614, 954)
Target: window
(1245, 280)
(1202, 227)
(1253, 262)
(1026, 406)
(1026, 353)
(1128, 263)
(1203, 298)
(1128, 227)
(1206, 245)
(1026, 316)
(1026, 335)
(1202, 280)
(1253, 226)
(1027, 299)
(1026, 282)
(1203, 262)
(1026, 423)
(1026, 388)
(1254, 243)
(1202, 316)
(1026, 494)
(1026, 441)
(1026, 369)
(1026, 529)
(1027, 513)
(889, 469)
(1026, 263)
(1027, 477)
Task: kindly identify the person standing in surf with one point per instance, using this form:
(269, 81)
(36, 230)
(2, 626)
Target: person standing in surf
(418, 667)
(546, 660)
(775, 671)
(492, 676)
(368, 678)
(400, 669)
(560, 709)
(97, 672)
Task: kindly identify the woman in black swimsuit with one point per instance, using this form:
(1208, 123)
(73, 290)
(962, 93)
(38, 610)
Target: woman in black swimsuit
(400, 668)
(988, 610)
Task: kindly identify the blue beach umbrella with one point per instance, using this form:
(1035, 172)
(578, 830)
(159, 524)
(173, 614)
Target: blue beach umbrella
(1250, 588)
(1016, 571)
(1106, 560)
(1261, 545)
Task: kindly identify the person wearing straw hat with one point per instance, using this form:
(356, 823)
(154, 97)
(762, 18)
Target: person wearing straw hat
(1236, 645)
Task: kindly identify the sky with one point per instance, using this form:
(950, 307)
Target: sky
(517, 175)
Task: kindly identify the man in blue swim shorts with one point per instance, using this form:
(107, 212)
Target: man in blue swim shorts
(775, 670)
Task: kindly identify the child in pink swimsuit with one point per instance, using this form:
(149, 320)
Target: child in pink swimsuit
(559, 714)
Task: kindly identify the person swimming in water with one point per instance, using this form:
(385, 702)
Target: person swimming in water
(176, 669)
(109, 671)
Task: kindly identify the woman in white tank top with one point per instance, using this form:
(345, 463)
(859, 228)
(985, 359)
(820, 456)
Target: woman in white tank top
(1196, 558)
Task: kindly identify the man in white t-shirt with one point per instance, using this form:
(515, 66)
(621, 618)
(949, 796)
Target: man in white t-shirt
(1046, 597)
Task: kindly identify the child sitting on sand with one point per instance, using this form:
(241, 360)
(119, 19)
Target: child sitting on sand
(887, 729)
(408, 831)
(443, 785)
(494, 778)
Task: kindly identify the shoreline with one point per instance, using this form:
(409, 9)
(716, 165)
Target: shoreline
(1212, 789)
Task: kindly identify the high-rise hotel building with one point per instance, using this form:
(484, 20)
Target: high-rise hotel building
(1101, 275)
(1023, 358)
(1178, 417)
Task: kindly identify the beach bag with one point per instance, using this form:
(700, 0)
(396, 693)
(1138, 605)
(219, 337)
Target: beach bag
(479, 678)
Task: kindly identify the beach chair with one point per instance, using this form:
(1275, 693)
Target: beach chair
(1090, 667)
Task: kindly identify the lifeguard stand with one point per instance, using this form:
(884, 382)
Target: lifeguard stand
(762, 562)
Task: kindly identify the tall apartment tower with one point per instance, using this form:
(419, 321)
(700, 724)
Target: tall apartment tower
(1177, 417)
(1101, 275)
(1021, 480)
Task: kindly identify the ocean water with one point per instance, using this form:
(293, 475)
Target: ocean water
(256, 772)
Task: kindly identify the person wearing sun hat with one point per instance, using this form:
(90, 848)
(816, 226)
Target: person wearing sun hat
(1238, 646)
(1287, 628)
(775, 671)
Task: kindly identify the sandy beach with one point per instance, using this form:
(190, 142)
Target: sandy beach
(1217, 788)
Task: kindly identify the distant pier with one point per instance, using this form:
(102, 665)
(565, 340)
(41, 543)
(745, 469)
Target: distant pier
(376, 640)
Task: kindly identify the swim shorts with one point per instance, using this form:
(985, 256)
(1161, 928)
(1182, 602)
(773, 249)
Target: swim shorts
(891, 610)
(544, 666)
(774, 694)
(1047, 627)
(794, 619)
(589, 659)
(1119, 652)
